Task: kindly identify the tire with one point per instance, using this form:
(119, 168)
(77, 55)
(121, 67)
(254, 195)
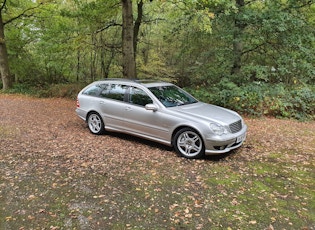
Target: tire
(95, 124)
(188, 143)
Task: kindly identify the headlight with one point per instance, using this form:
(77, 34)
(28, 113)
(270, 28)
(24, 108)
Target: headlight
(217, 129)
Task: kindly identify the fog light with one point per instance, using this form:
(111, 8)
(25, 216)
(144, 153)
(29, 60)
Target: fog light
(220, 147)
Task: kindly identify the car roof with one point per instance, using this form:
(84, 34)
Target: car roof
(146, 82)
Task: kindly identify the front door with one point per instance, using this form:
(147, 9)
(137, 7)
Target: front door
(143, 122)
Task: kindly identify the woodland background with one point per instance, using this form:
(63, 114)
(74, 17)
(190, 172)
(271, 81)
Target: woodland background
(253, 56)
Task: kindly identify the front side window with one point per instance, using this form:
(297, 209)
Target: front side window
(171, 96)
(139, 97)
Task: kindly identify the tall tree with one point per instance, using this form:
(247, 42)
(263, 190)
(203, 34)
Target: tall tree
(237, 38)
(4, 63)
(129, 62)
(17, 10)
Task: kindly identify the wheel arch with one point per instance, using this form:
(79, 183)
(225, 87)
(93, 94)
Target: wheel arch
(90, 112)
(182, 127)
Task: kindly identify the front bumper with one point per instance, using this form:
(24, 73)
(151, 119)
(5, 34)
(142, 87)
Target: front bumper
(224, 144)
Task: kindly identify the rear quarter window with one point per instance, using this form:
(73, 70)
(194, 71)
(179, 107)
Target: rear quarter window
(94, 90)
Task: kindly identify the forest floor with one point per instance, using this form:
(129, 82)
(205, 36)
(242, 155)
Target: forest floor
(54, 174)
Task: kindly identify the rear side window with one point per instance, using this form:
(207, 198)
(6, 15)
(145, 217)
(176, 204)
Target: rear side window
(114, 91)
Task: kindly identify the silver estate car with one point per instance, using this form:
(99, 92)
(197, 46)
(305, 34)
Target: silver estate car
(161, 112)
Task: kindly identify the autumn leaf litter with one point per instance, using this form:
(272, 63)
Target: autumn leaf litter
(56, 175)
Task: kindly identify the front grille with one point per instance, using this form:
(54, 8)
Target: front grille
(236, 126)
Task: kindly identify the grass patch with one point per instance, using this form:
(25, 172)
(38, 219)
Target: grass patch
(216, 197)
(6, 132)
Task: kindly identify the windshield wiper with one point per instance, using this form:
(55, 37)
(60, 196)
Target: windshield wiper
(187, 103)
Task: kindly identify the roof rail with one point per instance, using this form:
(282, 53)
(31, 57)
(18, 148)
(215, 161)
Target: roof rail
(134, 80)
(147, 80)
(118, 79)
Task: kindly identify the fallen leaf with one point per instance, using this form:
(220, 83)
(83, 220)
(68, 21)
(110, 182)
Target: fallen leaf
(253, 222)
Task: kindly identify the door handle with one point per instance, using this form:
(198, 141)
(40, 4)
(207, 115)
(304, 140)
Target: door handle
(102, 102)
(128, 108)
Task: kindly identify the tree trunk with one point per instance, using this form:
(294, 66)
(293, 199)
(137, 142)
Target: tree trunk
(129, 62)
(137, 26)
(237, 39)
(4, 63)
(93, 59)
(78, 65)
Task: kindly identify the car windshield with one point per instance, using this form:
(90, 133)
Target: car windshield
(171, 96)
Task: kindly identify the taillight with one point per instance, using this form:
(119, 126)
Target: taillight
(78, 104)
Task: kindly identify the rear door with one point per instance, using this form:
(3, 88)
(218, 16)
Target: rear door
(112, 105)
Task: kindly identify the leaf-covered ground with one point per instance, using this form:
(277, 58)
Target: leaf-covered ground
(54, 174)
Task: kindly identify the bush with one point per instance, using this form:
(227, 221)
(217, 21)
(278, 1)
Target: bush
(19, 88)
(55, 90)
(261, 99)
(62, 90)
(300, 104)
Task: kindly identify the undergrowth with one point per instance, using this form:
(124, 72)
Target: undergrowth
(260, 99)
(66, 90)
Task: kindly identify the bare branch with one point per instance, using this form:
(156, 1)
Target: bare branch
(23, 14)
(3, 5)
(254, 48)
(106, 27)
(308, 3)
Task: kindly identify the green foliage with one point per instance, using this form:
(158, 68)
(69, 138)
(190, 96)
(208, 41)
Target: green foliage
(275, 36)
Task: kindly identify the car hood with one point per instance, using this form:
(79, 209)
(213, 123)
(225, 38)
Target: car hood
(208, 112)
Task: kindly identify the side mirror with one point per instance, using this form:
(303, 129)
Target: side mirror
(151, 107)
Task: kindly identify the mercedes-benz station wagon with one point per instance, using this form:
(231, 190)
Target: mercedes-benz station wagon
(161, 112)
